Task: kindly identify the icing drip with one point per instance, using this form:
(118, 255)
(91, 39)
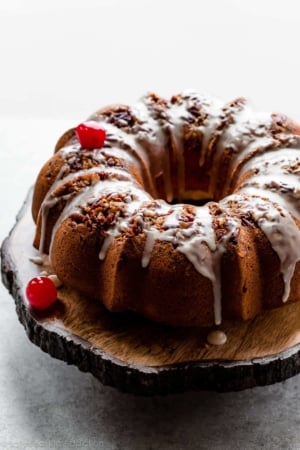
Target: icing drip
(202, 252)
(105, 246)
(46, 207)
(280, 229)
(150, 241)
(277, 228)
(198, 243)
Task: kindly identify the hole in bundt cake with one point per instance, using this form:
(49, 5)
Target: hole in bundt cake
(195, 202)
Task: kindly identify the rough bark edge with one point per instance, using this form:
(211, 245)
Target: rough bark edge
(216, 376)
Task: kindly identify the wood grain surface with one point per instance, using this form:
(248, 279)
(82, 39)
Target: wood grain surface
(140, 353)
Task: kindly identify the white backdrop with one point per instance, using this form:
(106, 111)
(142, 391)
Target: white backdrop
(65, 58)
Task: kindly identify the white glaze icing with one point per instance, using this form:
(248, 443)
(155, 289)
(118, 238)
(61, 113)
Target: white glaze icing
(254, 149)
(55, 280)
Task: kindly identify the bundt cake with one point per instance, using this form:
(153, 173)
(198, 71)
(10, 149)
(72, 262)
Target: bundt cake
(185, 211)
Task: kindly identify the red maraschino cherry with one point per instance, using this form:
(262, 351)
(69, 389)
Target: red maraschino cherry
(41, 292)
(90, 135)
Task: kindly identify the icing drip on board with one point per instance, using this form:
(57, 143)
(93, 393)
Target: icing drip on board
(217, 337)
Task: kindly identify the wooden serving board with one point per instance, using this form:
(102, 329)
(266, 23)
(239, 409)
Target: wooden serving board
(138, 356)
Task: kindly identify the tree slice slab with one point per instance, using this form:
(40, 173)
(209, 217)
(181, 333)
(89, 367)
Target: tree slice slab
(138, 356)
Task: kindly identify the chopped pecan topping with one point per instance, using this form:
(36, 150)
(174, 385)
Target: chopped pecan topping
(176, 99)
(293, 167)
(280, 186)
(136, 226)
(247, 220)
(86, 160)
(122, 117)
